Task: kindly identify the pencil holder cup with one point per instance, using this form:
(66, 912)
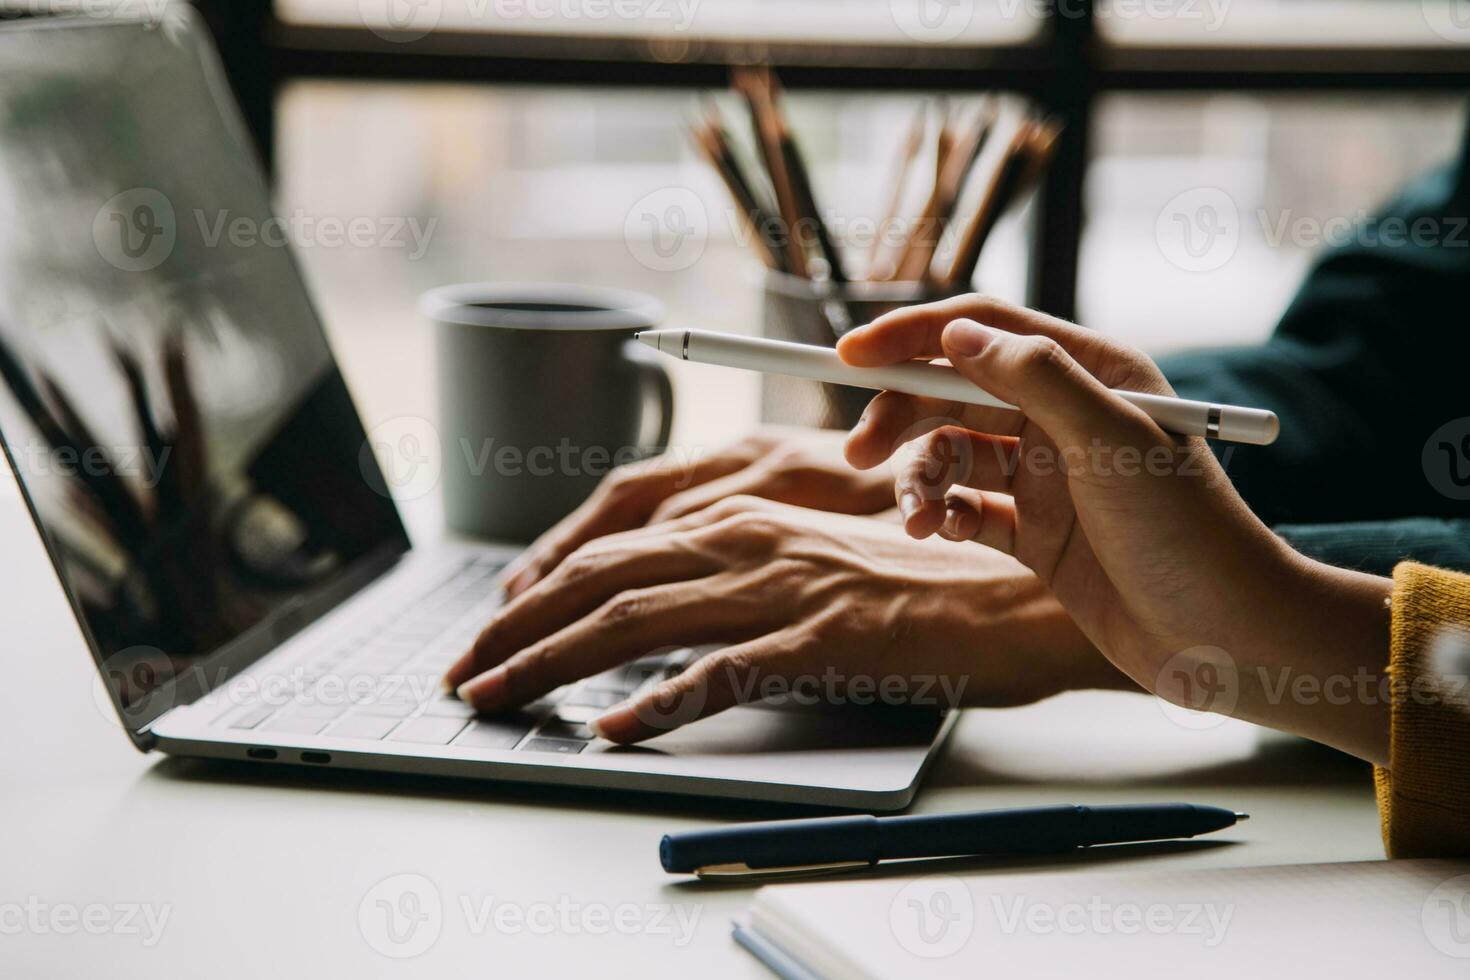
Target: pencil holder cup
(809, 312)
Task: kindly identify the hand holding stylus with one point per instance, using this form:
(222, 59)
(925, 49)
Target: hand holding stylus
(1139, 534)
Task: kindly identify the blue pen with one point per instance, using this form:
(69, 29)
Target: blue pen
(784, 846)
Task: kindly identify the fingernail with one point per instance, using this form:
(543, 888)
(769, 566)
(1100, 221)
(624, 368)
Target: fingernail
(952, 520)
(487, 690)
(616, 724)
(967, 337)
(908, 504)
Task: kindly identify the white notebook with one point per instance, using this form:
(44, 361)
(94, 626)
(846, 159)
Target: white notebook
(1385, 920)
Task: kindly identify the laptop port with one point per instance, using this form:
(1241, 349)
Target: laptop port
(320, 758)
(261, 753)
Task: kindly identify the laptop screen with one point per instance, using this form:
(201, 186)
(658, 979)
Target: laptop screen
(167, 398)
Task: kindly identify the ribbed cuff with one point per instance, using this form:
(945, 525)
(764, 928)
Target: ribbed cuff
(1424, 802)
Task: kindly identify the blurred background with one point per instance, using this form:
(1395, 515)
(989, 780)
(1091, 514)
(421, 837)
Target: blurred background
(1208, 144)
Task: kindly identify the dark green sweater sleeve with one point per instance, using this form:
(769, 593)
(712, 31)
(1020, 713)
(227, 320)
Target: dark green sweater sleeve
(1372, 357)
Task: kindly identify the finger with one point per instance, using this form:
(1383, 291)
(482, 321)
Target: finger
(1037, 374)
(944, 459)
(577, 587)
(627, 626)
(917, 332)
(625, 500)
(984, 518)
(893, 419)
(709, 686)
(890, 420)
(705, 517)
(752, 481)
(997, 527)
(962, 508)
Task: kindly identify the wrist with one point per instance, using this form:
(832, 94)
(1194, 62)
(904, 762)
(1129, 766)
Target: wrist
(1320, 668)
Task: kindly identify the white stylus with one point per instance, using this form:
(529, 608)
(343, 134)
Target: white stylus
(1177, 415)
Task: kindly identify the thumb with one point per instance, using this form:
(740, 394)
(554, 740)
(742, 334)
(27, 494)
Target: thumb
(1038, 375)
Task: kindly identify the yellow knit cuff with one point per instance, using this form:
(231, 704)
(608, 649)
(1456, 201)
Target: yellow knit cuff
(1424, 802)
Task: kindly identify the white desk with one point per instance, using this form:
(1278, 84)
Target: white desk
(263, 872)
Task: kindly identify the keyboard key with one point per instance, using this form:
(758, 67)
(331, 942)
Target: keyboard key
(397, 709)
(577, 714)
(556, 728)
(428, 731)
(363, 726)
(326, 712)
(449, 708)
(590, 698)
(251, 717)
(494, 733)
(295, 726)
(561, 746)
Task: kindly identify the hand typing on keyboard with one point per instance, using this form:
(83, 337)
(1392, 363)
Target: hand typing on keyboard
(814, 607)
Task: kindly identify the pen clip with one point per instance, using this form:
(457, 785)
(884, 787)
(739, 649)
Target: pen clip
(740, 870)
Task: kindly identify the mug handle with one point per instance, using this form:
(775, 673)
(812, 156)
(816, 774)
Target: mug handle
(656, 381)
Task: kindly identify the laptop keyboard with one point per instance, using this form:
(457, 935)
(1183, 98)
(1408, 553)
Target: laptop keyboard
(382, 684)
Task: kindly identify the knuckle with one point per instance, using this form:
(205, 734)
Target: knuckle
(741, 503)
(730, 668)
(1042, 355)
(626, 480)
(756, 443)
(785, 457)
(977, 305)
(942, 441)
(625, 608)
(581, 564)
(748, 524)
(672, 508)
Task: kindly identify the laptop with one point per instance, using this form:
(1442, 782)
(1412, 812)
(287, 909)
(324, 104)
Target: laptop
(209, 498)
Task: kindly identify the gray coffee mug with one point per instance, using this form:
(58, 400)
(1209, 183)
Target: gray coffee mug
(541, 392)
